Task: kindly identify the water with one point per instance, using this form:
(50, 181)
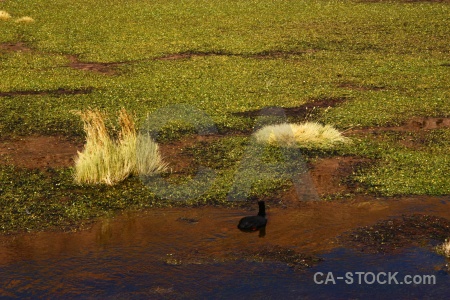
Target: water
(127, 257)
(134, 273)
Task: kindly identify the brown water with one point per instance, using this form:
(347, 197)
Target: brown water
(184, 253)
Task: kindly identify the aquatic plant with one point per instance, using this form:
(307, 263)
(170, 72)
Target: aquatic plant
(109, 161)
(444, 249)
(305, 135)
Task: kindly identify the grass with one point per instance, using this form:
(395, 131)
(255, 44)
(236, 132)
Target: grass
(305, 135)
(4, 15)
(388, 59)
(444, 249)
(24, 20)
(109, 161)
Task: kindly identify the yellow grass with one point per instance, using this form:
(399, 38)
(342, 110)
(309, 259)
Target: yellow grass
(25, 20)
(4, 15)
(444, 249)
(109, 161)
(307, 135)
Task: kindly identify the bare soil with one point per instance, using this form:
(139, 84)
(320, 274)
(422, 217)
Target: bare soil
(413, 125)
(39, 152)
(302, 111)
(14, 47)
(359, 87)
(56, 92)
(102, 68)
(261, 55)
(74, 61)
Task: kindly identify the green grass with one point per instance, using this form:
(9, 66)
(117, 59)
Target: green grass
(390, 60)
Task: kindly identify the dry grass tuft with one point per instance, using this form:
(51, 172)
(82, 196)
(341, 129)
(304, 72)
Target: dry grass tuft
(25, 20)
(109, 161)
(305, 135)
(4, 15)
(444, 249)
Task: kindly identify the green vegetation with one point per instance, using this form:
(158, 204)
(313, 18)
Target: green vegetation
(389, 60)
(444, 249)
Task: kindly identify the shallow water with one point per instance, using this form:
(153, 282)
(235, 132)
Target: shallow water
(125, 272)
(182, 253)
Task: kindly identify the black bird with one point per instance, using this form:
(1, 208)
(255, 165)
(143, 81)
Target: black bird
(254, 223)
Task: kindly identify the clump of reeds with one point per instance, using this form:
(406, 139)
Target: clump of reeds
(4, 15)
(109, 161)
(444, 249)
(305, 135)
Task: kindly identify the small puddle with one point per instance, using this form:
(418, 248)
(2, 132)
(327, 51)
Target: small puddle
(185, 253)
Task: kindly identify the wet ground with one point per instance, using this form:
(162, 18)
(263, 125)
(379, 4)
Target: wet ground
(188, 253)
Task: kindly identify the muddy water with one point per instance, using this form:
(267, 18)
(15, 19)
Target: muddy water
(184, 253)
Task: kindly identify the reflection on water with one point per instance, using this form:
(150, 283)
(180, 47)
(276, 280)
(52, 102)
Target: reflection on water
(133, 273)
(125, 256)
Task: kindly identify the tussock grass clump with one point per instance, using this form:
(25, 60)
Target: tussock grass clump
(444, 249)
(305, 135)
(4, 15)
(25, 20)
(109, 161)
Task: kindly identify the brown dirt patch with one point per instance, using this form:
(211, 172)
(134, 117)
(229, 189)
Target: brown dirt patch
(301, 111)
(331, 175)
(179, 160)
(426, 123)
(360, 87)
(412, 134)
(102, 68)
(56, 151)
(48, 92)
(14, 47)
(39, 152)
(326, 177)
(187, 55)
(261, 55)
(394, 234)
(414, 124)
(282, 54)
(74, 62)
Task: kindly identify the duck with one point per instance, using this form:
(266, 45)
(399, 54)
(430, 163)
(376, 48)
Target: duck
(253, 223)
